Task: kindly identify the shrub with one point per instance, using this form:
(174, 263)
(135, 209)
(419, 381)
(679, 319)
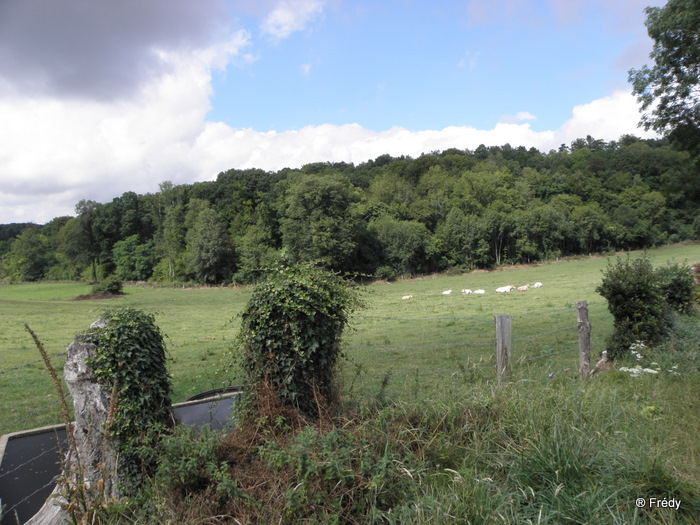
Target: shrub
(290, 336)
(636, 301)
(112, 285)
(677, 287)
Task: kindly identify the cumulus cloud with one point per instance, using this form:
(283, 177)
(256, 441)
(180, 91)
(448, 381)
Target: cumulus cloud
(97, 50)
(57, 151)
(607, 119)
(290, 16)
(99, 151)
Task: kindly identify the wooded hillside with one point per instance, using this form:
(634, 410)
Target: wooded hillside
(455, 209)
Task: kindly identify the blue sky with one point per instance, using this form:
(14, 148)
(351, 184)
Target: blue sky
(102, 98)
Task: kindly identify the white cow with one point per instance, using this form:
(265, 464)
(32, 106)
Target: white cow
(466, 291)
(537, 285)
(407, 297)
(447, 292)
(505, 289)
(480, 291)
(523, 288)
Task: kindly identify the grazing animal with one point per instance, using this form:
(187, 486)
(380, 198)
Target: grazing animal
(447, 292)
(537, 285)
(466, 291)
(407, 297)
(480, 291)
(523, 288)
(603, 365)
(505, 289)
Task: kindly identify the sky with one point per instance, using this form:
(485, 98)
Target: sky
(98, 98)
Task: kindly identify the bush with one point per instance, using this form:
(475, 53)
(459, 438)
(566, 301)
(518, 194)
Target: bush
(677, 287)
(290, 336)
(112, 285)
(636, 301)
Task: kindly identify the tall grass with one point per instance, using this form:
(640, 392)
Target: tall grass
(551, 451)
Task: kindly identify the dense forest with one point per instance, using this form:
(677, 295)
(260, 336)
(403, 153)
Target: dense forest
(388, 217)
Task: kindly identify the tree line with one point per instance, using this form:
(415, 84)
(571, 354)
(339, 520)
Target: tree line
(387, 217)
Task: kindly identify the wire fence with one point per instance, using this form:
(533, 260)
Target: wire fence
(464, 353)
(479, 355)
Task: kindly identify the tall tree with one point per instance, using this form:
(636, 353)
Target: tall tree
(29, 257)
(78, 239)
(209, 249)
(320, 222)
(670, 90)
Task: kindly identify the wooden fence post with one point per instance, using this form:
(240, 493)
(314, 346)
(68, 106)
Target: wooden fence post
(504, 340)
(584, 339)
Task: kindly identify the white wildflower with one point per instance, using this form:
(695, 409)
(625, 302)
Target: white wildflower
(638, 371)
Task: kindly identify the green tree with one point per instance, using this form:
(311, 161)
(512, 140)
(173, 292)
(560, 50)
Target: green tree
(670, 90)
(78, 238)
(209, 250)
(29, 257)
(458, 242)
(321, 222)
(590, 220)
(403, 244)
(171, 244)
(134, 261)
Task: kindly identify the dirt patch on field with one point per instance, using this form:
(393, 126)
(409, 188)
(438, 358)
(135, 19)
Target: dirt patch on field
(97, 296)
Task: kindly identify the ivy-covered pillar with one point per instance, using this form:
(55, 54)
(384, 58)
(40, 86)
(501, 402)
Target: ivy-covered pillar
(120, 387)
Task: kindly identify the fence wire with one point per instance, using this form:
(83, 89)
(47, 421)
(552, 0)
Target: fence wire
(545, 333)
(400, 347)
(422, 318)
(29, 364)
(52, 482)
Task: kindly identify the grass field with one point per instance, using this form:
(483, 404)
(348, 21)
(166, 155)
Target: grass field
(431, 344)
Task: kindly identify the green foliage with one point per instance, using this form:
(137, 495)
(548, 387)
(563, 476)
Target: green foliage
(29, 257)
(112, 285)
(184, 463)
(339, 474)
(290, 335)
(209, 251)
(677, 286)
(670, 87)
(636, 302)
(402, 243)
(130, 356)
(134, 261)
(320, 223)
(539, 451)
(386, 217)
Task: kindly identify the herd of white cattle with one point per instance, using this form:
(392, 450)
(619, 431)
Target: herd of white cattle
(502, 289)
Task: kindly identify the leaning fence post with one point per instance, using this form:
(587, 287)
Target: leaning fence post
(503, 345)
(584, 339)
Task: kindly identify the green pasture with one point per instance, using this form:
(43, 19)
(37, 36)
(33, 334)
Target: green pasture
(425, 347)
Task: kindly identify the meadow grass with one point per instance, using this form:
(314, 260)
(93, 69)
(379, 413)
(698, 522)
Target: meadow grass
(414, 348)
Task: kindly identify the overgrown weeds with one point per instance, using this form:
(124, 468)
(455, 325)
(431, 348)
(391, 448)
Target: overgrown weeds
(539, 452)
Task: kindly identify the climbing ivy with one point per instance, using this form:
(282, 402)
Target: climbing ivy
(290, 335)
(130, 357)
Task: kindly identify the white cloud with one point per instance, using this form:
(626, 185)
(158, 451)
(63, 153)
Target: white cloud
(289, 16)
(607, 119)
(518, 117)
(59, 153)
(55, 152)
